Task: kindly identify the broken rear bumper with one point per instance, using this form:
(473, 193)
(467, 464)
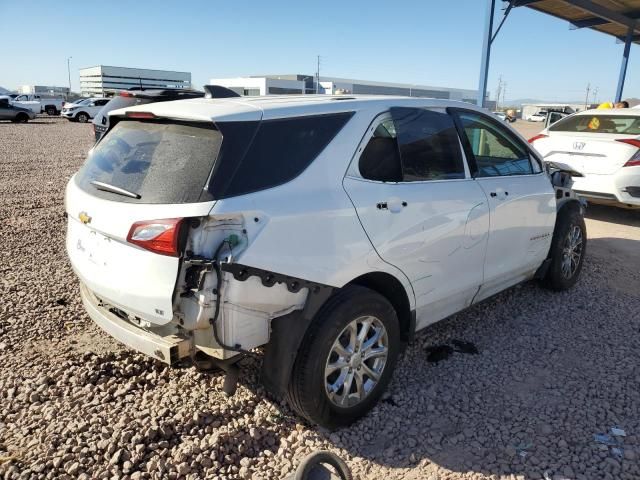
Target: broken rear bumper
(168, 349)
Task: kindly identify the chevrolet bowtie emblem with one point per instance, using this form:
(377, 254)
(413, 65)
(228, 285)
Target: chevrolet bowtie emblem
(84, 218)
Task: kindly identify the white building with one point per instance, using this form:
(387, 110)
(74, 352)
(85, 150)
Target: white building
(43, 90)
(297, 83)
(101, 79)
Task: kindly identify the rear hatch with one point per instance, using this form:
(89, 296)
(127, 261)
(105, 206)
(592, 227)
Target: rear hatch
(144, 172)
(597, 144)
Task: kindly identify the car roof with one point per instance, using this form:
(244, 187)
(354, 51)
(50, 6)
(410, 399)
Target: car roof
(611, 111)
(282, 106)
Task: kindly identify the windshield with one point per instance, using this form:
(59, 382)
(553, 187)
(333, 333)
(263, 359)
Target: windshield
(619, 124)
(159, 162)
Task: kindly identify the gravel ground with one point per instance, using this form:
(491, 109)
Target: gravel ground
(551, 370)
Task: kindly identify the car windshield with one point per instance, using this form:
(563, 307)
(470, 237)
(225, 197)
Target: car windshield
(595, 123)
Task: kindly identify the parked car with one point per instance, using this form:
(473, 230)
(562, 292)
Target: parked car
(328, 230)
(8, 111)
(129, 98)
(604, 146)
(540, 116)
(501, 115)
(49, 104)
(84, 110)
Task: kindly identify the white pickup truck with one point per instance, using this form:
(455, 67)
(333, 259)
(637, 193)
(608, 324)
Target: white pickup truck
(48, 104)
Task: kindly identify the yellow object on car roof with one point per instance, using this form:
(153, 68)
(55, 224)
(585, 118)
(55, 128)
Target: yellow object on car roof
(605, 105)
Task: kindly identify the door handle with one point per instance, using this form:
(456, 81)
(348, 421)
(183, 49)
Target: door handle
(394, 205)
(500, 194)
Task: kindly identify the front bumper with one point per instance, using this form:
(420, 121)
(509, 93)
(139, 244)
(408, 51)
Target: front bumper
(168, 349)
(67, 114)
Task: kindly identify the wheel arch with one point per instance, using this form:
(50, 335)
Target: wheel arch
(392, 289)
(288, 331)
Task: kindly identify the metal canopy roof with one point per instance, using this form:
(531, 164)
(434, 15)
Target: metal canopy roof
(613, 17)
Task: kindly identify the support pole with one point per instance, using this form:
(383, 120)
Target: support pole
(623, 65)
(486, 52)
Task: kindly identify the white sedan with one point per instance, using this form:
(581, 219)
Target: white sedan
(538, 117)
(603, 145)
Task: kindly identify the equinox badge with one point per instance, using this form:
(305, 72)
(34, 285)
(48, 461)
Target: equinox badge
(84, 218)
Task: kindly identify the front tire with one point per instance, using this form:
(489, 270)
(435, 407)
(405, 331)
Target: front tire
(82, 117)
(346, 359)
(22, 118)
(568, 248)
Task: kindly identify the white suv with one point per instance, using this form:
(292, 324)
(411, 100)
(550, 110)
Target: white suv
(327, 229)
(83, 110)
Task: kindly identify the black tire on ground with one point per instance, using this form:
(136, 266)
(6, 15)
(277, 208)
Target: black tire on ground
(22, 118)
(82, 117)
(51, 110)
(308, 391)
(568, 248)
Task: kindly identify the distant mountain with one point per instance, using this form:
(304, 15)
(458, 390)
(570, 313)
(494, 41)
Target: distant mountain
(4, 91)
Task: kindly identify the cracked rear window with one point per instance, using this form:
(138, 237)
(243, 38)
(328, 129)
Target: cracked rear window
(160, 161)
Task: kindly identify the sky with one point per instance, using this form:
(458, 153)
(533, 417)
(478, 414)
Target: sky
(427, 42)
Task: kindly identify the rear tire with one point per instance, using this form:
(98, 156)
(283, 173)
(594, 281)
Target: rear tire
(568, 248)
(51, 110)
(82, 117)
(346, 359)
(22, 118)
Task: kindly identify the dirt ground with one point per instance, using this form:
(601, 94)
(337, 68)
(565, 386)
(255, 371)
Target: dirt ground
(534, 395)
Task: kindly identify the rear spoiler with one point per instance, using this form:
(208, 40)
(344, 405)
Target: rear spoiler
(217, 91)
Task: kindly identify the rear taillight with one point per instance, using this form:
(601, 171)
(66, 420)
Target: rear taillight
(537, 137)
(158, 236)
(635, 160)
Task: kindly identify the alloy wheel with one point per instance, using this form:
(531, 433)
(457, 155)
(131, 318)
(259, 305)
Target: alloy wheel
(356, 361)
(572, 251)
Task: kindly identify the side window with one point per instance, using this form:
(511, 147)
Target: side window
(100, 103)
(429, 145)
(496, 152)
(256, 156)
(380, 159)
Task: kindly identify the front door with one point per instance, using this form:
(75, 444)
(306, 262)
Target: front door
(421, 209)
(521, 199)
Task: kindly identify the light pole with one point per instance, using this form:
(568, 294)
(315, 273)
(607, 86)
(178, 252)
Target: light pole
(69, 73)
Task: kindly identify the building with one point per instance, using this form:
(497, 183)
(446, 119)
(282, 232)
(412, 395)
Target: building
(103, 79)
(43, 90)
(298, 84)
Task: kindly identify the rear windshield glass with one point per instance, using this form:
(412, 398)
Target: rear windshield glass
(152, 162)
(622, 124)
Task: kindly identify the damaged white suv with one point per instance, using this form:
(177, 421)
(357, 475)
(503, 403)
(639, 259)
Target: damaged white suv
(326, 229)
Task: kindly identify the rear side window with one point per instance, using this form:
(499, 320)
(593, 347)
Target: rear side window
(622, 124)
(429, 145)
(280, 151)
(156, 161)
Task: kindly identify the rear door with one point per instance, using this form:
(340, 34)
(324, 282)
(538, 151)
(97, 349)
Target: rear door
(521, 199)
(141, 171)
(420, 208)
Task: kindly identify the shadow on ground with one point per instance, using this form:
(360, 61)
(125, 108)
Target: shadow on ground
(553, 370)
